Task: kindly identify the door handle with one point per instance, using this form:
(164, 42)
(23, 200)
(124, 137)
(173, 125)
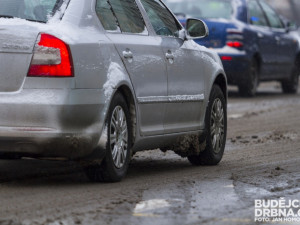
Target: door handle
(169, 55)
(127, 54)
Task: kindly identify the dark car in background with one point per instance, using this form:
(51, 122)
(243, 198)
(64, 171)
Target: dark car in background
(251, 39)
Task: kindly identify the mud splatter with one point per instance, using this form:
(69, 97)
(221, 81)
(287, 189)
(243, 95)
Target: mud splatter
(264, 138)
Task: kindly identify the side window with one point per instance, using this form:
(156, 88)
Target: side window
(106, 16)
(121, 15)
(161, 19)
(256, 15)
(272, 16)
(129, 16)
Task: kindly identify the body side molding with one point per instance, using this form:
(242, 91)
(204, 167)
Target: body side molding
(171, 99)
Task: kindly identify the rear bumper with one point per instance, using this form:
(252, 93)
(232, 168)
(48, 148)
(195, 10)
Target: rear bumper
(236, 66)
(51, 122)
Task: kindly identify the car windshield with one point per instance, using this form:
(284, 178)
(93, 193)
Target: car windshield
(34, 10)
(202, 8)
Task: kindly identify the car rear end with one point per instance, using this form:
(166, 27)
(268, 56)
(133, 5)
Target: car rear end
(226, 21)
(233, 54)
(42, 113)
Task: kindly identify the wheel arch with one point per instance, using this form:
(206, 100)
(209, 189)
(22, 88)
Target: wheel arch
(256, 56)
(297, 60)
(222, 83)
(130, 101)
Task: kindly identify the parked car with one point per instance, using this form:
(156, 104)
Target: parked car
(251, 39)
(96, 81)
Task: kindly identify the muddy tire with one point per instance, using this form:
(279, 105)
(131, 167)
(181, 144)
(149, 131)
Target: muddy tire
(290, 86)
(117, 157)
(216, 126)
(249, 87)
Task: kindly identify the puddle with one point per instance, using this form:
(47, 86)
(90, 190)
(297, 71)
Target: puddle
(188, 202)
(257, 191)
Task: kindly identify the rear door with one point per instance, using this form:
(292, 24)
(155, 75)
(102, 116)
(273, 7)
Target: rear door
(142, 57)
(285, 45)
(265, 39)
(185, 71)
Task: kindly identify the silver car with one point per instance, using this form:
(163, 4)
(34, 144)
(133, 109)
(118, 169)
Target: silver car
(97, 80)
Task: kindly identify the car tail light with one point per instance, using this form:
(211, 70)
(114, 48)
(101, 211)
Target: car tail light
(51, 58)
(234, 44)
(226, 58)
(235, 38)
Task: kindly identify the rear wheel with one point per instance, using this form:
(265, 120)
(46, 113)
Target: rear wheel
(115, 164)
(290, 86)
(249, 87)
(216, 125)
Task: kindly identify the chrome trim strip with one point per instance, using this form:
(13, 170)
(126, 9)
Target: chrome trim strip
(171, 99)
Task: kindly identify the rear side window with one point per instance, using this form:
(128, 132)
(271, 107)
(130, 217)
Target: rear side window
(39, 10)
(161, 19)
(106, 16)
(129, 16)
(256, 14)
(272, 16)
(123, 14)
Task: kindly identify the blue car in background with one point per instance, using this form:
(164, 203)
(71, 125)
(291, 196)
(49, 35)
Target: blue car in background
(251, 39)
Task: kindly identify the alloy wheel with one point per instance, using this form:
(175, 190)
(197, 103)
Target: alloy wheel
(118, 137)
(217, 125)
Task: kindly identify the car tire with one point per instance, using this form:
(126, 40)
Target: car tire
(117, 157)
(216, 127)
(290, 86)
(249, 87)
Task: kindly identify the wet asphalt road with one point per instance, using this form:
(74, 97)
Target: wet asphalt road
(261, 161)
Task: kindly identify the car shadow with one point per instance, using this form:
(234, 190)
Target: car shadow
(32, 172)
(44, 171)
(265, 90)
(259, 94)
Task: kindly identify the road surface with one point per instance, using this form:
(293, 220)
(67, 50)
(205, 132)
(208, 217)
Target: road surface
(261, 161)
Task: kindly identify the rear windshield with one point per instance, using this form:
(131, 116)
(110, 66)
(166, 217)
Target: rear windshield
(35, 10)
(201, 8)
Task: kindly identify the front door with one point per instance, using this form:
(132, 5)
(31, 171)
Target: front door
(185, 86)
(184, 108)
